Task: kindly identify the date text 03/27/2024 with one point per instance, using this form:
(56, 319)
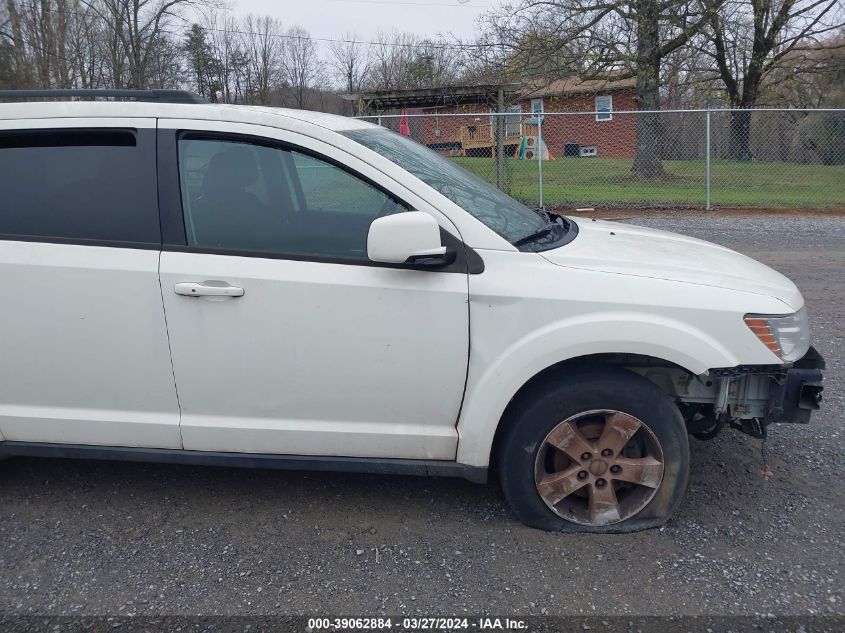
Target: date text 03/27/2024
(416, 624)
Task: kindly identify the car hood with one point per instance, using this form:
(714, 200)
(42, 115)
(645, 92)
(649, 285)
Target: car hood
(625, 249)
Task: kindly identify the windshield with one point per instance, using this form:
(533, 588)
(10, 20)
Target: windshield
(507, 217)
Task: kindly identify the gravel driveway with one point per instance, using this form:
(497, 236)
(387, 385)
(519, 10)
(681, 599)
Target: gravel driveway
(98, 537)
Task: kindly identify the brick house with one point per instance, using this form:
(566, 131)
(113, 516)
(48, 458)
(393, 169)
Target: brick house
(603, 132)
(600, 132)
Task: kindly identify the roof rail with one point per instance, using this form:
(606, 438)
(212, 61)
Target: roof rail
(157, 96)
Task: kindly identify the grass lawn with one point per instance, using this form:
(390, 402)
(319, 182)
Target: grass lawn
(606, 182)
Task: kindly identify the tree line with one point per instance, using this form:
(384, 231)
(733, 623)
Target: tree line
(196, 44)
(683, 54)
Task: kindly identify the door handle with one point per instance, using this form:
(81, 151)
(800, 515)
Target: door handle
(208, 289)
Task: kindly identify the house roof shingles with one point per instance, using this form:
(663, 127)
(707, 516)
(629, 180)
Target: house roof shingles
(573, 85)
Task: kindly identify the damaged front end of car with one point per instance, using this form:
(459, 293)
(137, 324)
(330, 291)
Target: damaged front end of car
(750, 398)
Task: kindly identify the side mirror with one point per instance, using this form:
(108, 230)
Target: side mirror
(408, 238)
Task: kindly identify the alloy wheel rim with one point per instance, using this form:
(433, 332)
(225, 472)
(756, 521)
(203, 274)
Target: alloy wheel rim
(599, 467)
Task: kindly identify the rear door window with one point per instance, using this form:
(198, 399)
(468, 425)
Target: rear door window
(79, 185)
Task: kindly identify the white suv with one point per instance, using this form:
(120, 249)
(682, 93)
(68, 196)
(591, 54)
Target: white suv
(265, 287)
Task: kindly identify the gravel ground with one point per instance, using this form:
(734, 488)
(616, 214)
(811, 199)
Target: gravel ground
(111, 538)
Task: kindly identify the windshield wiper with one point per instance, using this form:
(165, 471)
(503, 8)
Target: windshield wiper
(558, 222)
(536, 235)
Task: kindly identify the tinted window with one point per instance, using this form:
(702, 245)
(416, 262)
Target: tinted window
(249, 197)
(78, 185)
(326, 187)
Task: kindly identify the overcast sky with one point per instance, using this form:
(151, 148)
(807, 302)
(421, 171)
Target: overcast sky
(333, 18)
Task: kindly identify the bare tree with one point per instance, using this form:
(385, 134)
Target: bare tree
(392, 54)
(434, 63)
(812, 78)
(164, 63)
(136, 30)
(350, 61)
(264, 49)
(610, 39)
(85, 49)
(41, 36)
(751, 38)
(300, 64)
(221, 32)
(19, 70)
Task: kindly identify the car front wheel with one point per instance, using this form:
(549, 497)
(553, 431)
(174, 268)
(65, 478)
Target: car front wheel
(602, 451)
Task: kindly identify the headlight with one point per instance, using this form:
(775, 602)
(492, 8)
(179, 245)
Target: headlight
(788, 337)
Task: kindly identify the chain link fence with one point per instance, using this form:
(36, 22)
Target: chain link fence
(679, 159)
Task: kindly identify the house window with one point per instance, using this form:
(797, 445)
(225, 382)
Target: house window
(536, 106)
(513, 121)
(604, 108)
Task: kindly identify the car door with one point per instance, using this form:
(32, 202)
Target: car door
(285, 338)
(83, 345)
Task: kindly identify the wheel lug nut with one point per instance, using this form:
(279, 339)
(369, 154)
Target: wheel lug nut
(600, 482)
(582, 474)
(586, 456)
(607, 452)
(616, 468)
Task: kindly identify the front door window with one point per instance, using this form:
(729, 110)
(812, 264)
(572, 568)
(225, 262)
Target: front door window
(257, 198)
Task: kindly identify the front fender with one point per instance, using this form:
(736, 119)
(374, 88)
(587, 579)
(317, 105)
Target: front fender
(495, 377)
